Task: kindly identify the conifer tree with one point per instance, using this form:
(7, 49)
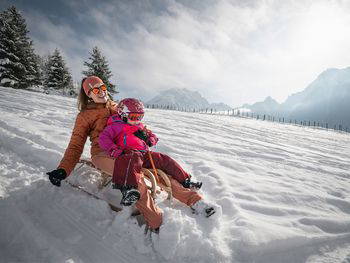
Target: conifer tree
(43, 66)
(18, 62)
(99, 67)
(57, 75)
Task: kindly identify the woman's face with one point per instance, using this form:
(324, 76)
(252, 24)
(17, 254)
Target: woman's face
(100, 97)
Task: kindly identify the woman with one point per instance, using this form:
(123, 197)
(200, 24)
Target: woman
(95, 108)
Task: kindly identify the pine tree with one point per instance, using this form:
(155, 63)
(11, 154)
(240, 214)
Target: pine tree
(18, 62)
(98, 66)
(43, 66)
(57, 75)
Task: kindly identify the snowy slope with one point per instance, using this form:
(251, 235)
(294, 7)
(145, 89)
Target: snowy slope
(284, 191)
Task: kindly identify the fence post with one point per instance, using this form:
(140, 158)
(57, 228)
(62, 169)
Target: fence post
(257, 117)
(264, 117)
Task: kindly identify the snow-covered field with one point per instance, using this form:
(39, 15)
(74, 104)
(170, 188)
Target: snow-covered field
(283, 189)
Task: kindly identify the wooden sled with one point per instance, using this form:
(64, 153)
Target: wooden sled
(155, 183)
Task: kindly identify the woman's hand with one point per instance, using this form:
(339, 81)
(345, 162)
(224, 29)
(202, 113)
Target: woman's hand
(56, 176)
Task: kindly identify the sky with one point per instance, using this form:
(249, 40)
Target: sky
(234, 52)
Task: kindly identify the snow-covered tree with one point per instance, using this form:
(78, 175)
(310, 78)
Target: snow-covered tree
(57, 76)
(97, 65)
(18, 62)
(43, 66)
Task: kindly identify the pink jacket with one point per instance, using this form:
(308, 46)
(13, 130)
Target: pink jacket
(119, 136)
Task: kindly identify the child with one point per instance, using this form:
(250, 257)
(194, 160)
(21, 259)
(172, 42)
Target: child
(127, 140)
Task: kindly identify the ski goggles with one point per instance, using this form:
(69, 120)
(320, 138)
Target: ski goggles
(135, 116)
(96, 90)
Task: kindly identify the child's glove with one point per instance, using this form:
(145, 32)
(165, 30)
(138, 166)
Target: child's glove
(147, 136)
(151, 141)
(115, 151)
(141, 134)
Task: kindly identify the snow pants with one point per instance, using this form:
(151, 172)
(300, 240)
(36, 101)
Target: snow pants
(146, 205)
(128, 166)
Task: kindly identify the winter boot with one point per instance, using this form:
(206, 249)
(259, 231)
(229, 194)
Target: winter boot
(203, 208)
(192, 185)
(129, 196)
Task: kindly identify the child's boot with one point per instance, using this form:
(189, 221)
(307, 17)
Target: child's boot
(192, 185)
(130, 195)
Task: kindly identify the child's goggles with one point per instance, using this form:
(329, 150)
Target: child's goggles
(96, 90)
(135, 116)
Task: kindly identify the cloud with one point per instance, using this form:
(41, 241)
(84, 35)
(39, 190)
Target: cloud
(230, 51)
(49, 36)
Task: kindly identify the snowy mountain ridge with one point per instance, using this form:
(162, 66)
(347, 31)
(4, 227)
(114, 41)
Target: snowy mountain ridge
(185, 98)
(283, 190)
(325, 99)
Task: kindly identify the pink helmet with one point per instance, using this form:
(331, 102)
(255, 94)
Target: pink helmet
(131, 107)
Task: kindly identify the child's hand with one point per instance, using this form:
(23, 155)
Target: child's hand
(141, 134)
(151, 141)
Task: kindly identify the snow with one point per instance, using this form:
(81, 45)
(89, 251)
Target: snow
(283, 191)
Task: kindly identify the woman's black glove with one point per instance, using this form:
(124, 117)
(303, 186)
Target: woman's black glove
(56, 176)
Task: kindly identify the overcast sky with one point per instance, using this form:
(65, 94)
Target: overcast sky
(230, 51)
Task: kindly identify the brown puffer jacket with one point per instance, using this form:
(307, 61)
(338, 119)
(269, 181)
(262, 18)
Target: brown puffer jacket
(89, 122)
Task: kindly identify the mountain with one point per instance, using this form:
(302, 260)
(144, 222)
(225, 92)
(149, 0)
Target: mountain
(268, 106)
(326, 99)
(185, 98)
(220, 106)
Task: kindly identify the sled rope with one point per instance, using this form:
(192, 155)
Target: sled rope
(167, 186)
(153, 166)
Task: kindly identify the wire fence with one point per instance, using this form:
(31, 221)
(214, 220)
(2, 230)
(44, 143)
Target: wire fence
(260, 117)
